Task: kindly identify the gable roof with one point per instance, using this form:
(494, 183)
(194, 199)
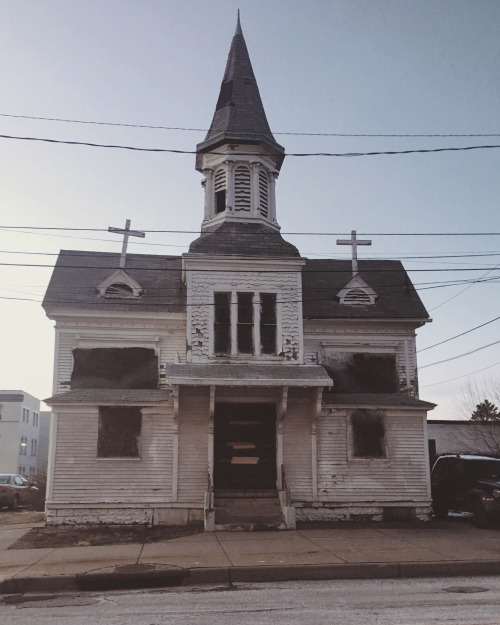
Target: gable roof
(323, 279)
(77, 275)
(231, 238)
(239, 114)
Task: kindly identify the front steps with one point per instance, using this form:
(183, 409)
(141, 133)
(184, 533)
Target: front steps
(248, 510)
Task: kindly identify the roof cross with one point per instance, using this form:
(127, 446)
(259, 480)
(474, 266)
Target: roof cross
(127, 232)
(354, 242)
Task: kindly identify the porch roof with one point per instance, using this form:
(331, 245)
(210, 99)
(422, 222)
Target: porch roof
(247, 375)
(112, 396)
(374, 399)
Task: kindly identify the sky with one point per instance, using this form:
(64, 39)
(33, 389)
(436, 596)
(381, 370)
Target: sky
(324, 68)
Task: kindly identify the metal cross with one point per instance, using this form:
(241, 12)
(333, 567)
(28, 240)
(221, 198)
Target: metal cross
(127, 232)
(354, 242)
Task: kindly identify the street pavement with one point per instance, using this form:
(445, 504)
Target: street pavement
(445, 549)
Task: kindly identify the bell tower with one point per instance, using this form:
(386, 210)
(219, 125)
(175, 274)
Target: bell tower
(239, 158)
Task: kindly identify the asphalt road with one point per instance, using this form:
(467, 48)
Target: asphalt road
(460, 601)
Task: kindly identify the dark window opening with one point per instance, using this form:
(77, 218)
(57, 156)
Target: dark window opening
(119, 290)
(129, 367)
(222, 323)
(119, 432)
(368, 434)
(245, 323)
(220, 201)
(362, 373)
(268, 323)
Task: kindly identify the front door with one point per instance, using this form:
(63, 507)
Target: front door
(245, 447)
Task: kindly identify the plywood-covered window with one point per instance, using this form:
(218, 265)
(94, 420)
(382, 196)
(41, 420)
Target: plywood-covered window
(268, 324)
(362, 372)
(222, 323)
(368, 434)
(245, 323)
(119, 432)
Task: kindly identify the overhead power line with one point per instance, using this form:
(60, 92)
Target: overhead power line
(466, 375)
(300, 134)
(319, 234)
(297, 154)
(472, 351)
(458, 335)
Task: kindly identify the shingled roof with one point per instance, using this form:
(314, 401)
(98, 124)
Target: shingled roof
(77, 275)
(239, 114)
(322, 279)
(243, 239)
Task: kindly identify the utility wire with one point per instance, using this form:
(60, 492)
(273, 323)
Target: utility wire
(297, 154)
(327, 234)
(458, 335)
(466, 375)
(300, 134)
(473, 351)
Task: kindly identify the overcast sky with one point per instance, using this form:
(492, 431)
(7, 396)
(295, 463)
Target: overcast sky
(352, 67)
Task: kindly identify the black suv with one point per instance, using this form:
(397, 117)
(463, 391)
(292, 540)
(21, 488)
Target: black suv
(470, 483)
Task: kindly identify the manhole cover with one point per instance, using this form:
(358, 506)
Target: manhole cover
(465, 589)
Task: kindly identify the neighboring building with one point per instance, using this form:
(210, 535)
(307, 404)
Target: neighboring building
(463, 437)
(19, 432)
(43, 441)
(238, 383)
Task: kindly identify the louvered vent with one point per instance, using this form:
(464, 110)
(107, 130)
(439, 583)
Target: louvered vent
(264, 193)
(220, 180)
(242, 188)
(220, 191)
(356, 297)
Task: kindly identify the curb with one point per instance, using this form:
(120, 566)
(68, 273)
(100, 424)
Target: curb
(129, 579)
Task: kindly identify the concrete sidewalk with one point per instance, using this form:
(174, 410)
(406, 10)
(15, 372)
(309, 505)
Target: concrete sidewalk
(450, 548)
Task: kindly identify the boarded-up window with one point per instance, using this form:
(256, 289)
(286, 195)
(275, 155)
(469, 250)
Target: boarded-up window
(129, 367)
(245, 323)
(268, 323)
(222, 323)
(362, 372)
(368, 434)
(119, 432)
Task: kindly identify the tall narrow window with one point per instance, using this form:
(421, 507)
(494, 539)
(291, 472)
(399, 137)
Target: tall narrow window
(119, 432)
(368, 434)
(245, 323)
(268, 323)
(220, 191)
(222, 323)
(264, 193)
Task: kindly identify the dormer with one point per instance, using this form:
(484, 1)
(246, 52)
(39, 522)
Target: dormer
(119, 285)
(239, 158)
(357, 293)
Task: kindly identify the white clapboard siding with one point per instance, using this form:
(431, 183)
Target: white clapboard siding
(81, 477)
(399, 477)
(193, 444)
(297, 450)
(169, 339)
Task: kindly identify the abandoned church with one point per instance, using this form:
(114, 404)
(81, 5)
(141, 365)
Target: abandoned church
(239, 384)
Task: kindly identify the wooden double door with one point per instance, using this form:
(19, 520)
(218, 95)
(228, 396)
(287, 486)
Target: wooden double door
(245, 447)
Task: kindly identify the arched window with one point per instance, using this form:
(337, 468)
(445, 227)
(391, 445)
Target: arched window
(242, 188)
(264, 193)
(220, 191)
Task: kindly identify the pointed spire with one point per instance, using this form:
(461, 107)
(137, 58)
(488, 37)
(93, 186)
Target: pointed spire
(239, 116)
(238, 25)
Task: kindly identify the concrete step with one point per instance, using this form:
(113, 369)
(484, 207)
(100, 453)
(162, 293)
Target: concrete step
(256, 511)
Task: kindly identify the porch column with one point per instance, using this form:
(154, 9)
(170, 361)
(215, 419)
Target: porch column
(175, 444)
(280, 422)
(211, 438)
(314, 441)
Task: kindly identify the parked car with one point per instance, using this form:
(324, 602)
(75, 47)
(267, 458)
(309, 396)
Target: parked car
(15, 490)
(467, 483)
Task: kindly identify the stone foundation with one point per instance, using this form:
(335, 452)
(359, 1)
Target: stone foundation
(358, 513)
(111, 515)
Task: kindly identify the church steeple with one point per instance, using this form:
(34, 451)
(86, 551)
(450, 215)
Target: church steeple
(239, 157)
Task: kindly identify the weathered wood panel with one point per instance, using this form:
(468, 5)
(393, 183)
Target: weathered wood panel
(81, 477)
(297, 448)
(398, 477)
(193, 444)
